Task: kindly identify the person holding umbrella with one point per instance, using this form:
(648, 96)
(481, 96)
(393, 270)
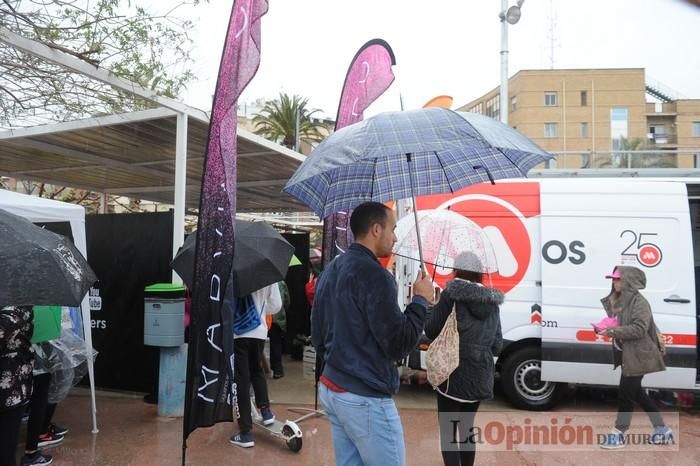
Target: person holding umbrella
(16, 365)
(393, 155)
(261, 259)
(476, 309)
(39, 268)
(247, 348)
(360, 332)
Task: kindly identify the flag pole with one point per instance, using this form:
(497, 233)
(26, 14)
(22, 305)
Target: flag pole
(208, 399)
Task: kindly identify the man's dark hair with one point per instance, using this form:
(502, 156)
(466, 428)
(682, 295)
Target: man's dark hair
(367, 214)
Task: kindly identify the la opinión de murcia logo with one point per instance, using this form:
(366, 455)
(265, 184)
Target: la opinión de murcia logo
(575, 431)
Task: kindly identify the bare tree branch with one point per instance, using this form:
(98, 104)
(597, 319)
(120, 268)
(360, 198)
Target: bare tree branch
(119, 35)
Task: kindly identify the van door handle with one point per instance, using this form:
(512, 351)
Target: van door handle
(676, 299)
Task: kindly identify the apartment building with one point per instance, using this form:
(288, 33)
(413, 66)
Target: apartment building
(587, 114)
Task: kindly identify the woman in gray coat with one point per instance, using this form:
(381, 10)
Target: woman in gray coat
(479, 326)
(636, 348)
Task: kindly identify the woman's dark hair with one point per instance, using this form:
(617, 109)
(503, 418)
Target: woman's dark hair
(365, 215)
(472, 276)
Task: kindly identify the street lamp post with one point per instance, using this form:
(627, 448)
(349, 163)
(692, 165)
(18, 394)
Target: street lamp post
(508, 16)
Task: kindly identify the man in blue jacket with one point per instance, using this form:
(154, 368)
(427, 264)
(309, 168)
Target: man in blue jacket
(360, 332)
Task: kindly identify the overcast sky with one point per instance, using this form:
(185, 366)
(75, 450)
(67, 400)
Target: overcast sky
(448, 46)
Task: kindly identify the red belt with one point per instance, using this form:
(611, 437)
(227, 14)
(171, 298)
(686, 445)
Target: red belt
(331, 386)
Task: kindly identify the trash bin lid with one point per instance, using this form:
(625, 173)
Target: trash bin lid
(165, 290)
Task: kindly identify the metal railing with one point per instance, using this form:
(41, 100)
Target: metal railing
(626, 159)
(661, 139)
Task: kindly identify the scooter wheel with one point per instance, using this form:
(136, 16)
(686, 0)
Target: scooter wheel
(294, 444)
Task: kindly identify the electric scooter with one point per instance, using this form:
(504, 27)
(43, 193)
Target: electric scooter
(288, 431)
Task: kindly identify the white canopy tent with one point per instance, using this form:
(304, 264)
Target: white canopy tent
(153, 154)
(37, 209)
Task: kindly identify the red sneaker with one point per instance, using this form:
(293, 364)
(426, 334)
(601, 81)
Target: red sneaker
(48, 439)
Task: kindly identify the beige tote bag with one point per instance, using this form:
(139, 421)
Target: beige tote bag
(443, 353)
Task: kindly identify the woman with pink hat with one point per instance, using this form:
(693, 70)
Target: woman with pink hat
(635, 348)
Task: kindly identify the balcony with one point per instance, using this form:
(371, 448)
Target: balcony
(662, 139)
(673, 162)
(660, 109)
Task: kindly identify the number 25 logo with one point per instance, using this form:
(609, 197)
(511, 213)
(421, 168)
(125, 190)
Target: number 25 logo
(648, 254)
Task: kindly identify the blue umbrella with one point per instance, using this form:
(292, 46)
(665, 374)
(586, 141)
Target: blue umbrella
(397, 155)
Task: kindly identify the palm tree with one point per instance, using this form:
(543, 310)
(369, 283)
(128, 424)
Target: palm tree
(277, 121)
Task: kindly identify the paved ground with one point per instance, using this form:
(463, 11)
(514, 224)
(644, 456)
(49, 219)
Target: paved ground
(131, 433)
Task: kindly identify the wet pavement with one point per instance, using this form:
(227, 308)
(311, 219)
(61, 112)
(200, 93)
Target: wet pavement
(131, 433)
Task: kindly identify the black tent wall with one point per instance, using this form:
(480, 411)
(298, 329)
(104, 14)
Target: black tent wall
(127, 252)
(298, 316)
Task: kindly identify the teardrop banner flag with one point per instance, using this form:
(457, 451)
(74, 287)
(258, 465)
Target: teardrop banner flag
(369, 75)
(210, 392)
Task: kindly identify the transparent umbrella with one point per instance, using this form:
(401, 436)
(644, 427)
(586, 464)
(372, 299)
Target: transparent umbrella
(450, 240)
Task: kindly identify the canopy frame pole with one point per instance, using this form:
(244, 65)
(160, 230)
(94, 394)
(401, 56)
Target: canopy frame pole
(180, 187)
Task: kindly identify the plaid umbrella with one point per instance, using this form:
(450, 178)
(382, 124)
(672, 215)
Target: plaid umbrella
(397, 155)
(369, 161)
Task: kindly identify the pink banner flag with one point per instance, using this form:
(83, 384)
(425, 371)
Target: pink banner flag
(369, 75)
(210, 392)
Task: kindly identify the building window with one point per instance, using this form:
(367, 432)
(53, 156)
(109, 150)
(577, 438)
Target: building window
(513, 103)
(657, 129)
(657, 134)
(493, 109)
(696, 129)
(584, 130)
(584, 98)
(618, 127)
(551, 130)
(550, 99)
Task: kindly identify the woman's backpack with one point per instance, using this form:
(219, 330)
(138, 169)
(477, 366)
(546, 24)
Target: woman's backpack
(245, 316)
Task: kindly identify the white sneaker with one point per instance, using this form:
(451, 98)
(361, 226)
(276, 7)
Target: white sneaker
(614, 440)
(662, 436)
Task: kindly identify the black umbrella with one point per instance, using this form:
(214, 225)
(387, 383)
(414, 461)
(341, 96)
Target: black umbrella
(261, 257)
(39, 267)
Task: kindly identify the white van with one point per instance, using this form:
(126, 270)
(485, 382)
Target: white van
(555, 240)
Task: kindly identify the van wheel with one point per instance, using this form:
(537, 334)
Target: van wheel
(522, 384)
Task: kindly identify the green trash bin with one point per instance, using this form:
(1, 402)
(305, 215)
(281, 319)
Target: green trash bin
(164, 315)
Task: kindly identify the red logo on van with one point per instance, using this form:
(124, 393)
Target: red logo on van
(649, 255)
(503, 206)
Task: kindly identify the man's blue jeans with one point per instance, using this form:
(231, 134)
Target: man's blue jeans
(366, 430)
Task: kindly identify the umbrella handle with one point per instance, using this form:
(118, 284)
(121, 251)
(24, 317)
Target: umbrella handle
(420, 243)
(488, 173)
(415, 214)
